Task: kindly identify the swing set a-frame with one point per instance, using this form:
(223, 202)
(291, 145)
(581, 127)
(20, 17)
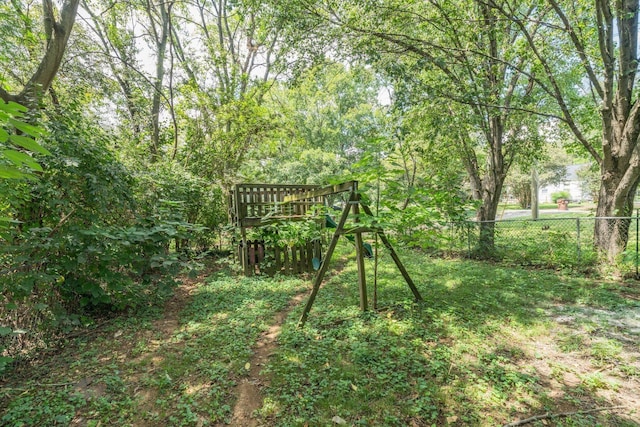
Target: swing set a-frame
(353, 205)
(252, 205)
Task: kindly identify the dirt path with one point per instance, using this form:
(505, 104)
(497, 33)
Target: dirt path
(249, 390)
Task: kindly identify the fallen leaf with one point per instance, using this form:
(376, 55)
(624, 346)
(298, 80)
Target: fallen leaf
(354, 387)
(247, 366)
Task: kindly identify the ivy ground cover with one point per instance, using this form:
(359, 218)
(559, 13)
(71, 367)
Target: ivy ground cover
(488, 346)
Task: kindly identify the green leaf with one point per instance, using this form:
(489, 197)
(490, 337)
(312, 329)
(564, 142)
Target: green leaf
(11, 172)
(5, 331)
(4, 135)
(26, 128)
(18, 158)
(29, 144)
(4, 361)
(13, 108)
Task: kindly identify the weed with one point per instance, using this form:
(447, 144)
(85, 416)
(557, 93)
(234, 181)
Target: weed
(605, 351)
(630, 371)
(596, 381)
(471, 354)
(569, 342)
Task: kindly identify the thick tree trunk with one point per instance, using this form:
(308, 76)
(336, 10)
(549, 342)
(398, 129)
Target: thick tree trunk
(486, 187)
(615, 207)
(486, 215)
(57, 33)
(492, 183)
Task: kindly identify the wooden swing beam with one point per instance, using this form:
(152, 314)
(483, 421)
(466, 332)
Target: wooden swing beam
(353, 205)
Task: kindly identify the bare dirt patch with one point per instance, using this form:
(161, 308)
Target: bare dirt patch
(249, 390)
(590, 360)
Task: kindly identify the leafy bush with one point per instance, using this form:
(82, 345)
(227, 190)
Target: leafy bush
(565, 195)
(201, 202)
(288, 233)
(83, 240)
(16, 163)
(16, 143)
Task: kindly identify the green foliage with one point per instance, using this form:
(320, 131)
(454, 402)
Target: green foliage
(590, 179)
(17, 144)
(550, 169)
(217, 148)
(199, 201)
(326, 118)
(564, 195)
(470, 355)
(82, 240)
(190, 374)
(289, 233)
(299, 166)
(414, 196)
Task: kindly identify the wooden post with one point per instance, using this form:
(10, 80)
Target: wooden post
(325, 262)
(287, 265)
(309, 250)
(362, 278)
(535, 184)
(278, 260)
(245, 251)
(294, 259)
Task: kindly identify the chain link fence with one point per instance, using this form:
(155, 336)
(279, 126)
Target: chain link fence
(547, 242)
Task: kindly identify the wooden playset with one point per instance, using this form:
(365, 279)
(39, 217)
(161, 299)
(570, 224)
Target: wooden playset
(254, 205)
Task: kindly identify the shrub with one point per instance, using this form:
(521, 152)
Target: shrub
(80, 240)
(560, 195)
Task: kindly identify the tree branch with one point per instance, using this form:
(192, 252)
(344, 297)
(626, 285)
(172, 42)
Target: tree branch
(579, 47)
(557, 92)
(41, 80)
(561, 414)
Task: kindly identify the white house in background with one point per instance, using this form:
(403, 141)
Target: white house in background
(571, 183)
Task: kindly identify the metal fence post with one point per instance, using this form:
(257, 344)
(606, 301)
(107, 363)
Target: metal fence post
(578, 240)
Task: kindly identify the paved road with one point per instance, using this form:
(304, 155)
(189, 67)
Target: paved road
(526, 213)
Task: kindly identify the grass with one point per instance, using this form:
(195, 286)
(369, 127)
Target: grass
(466, 356)
(141, 372)
(489, 345)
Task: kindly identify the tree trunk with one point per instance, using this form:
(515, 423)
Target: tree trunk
(492, 183)
(612, 79)
(57, 33)
(161, 36)
(486, 215)
(615, 206)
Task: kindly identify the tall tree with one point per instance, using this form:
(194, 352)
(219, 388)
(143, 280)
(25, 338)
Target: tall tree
(158, 14)
(327, 118)
(144, 88)
(118, 60)
(228, 60)
(56, 27)
(455, 51)
(598, 42)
